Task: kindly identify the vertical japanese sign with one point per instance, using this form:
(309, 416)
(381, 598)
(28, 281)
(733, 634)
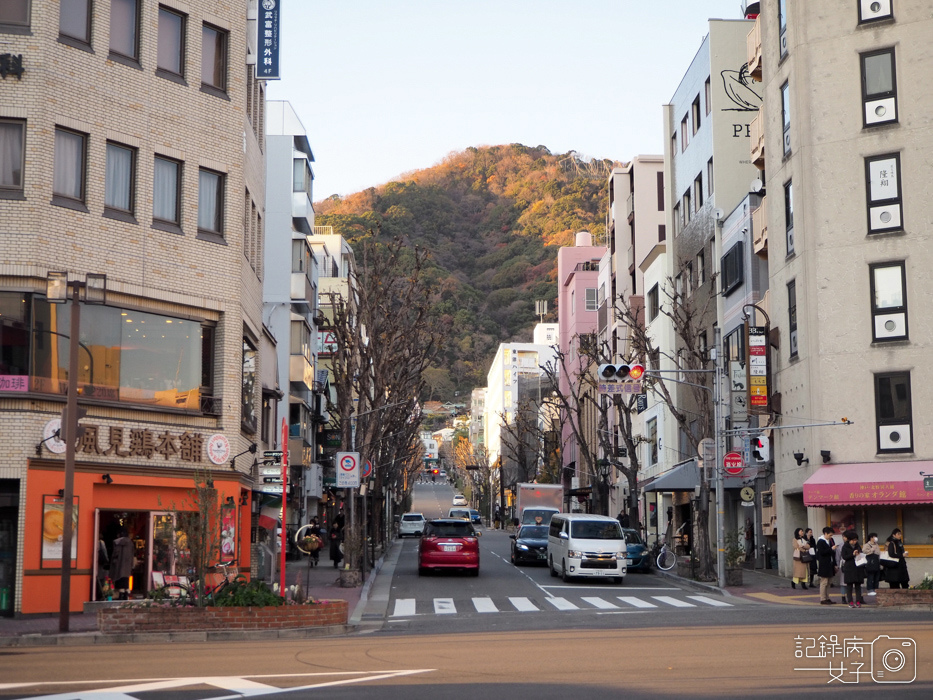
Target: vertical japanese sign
(267, 40)
(758, 367)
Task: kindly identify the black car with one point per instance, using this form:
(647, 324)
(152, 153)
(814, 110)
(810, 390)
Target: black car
(529, 544)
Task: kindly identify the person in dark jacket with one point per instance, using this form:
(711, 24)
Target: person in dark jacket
(336, 537)
(808, 536)
(826, 564)
(897, 576)
(121, 564)
(852, 573)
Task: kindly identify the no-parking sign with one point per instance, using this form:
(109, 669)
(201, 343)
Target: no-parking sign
(348, 470)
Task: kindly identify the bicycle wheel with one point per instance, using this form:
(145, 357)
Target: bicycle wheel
(666, 560)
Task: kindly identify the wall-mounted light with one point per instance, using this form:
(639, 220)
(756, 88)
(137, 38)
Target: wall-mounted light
(825, 455)
(61, 493)
(107, 478)
(800, 458)
(244, 498)
(230, 501)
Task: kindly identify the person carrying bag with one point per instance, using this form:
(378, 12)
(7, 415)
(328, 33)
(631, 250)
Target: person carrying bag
(872, 553)
(801, 570)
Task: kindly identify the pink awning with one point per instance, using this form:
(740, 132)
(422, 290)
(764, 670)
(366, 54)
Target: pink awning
(870, 484)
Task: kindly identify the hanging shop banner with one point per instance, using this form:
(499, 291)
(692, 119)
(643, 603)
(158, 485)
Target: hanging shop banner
(267, 40)
(53, 532)
(228, 534)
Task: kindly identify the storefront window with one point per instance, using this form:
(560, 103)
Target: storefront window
(918, 525)
(880, 520)
(123, 355)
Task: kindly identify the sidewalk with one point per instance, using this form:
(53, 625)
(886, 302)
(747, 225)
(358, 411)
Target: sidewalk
(321, 582)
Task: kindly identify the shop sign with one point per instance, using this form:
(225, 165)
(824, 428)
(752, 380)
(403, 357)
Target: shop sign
(928, 483)
(267, 27)
(218, 448)
(619, 388)
(11, 64)
(53, 532)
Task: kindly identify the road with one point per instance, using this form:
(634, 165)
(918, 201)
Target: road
(505, 634)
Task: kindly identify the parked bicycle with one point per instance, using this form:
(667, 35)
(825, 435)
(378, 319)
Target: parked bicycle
(667, 557)
(186, 590)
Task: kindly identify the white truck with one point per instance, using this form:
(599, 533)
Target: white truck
(536, 503)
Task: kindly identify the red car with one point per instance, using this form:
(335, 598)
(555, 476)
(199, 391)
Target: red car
(449, 543)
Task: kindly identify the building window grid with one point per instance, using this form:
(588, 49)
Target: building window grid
(15, 13)
(210, 201)
(789, 216)
(166, 204)
(782, 27)
(792, 317)
(893, 408)
(732, 266)
(74, 20)
(695, 112)
(701, 268)
(785, 116)
(213, 57)
(879, 84)
(883, 186)
(698, 192)
(124, 28)
(171, 41)
(654, 306)
(708, 95)
(69, 176)
(684, 134)
(709, 178)
(120, 178)
(12, 155)
(888, 283)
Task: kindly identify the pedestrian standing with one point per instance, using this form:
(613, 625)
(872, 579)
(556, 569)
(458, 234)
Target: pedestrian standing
(852, 574)
(897, 576)
(121, 564)
(801, 568)
(808, 535)
(826, 564)
(872, 552)
(624, 519)
(336, 537)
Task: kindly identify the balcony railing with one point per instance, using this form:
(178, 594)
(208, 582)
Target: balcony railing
(753, 46)
(760, 229)
(757, 145)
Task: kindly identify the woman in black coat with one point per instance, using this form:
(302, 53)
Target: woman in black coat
(897, 576)
(808, 535)
(825, 564)
(336, 537)
(852, 574)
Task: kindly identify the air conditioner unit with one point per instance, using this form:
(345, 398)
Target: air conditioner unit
(790, 241)
(783, 44)
(793, 342)
(885, 218)
(881, 111)
(891, 326)
(894, 437)
(787, 142)
(871, 10)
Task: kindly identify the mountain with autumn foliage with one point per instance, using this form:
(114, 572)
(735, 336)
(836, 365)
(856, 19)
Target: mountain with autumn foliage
(493, 218)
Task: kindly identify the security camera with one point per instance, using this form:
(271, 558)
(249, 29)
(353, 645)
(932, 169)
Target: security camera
(800, 458)
(719, 214)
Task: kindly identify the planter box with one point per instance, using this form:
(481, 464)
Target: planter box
(146, 618)
(887, 597)
(734, 577)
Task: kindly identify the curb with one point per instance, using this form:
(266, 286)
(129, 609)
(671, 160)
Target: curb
(699, 585)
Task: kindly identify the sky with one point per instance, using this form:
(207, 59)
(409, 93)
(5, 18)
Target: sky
(385, 87)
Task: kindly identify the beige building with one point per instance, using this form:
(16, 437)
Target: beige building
(131, 146)
(847, 151)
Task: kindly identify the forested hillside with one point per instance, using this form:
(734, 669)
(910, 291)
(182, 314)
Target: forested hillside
(493, 218)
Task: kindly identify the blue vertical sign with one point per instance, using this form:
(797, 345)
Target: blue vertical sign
(267, 44)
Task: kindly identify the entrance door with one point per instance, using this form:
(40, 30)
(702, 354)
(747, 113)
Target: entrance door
(162, 546)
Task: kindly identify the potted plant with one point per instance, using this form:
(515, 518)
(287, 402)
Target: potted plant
(734, 550)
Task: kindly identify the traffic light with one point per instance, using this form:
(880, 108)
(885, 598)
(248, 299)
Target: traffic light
(761, 449)
(623, 371)
(435, 471)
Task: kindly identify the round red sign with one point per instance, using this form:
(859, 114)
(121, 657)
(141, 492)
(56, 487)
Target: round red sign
(733, 463)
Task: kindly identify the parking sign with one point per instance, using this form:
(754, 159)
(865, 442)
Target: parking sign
(348, 470)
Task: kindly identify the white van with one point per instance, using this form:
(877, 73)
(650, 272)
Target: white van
(580, 544)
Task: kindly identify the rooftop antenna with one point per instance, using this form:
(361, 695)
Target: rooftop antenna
(541, 309)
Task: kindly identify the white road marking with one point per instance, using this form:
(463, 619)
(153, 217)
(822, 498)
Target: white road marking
(523, 605)
(485, 605)
(600, 603)
(636, 602)
(444, 606)
(673, 601)
(404, 607)
(561, 603)
(614, 587)
(710, 601)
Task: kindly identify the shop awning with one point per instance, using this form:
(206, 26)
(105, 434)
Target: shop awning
(686, 477)
(873, 483)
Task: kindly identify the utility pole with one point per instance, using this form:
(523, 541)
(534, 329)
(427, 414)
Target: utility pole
(717, 433)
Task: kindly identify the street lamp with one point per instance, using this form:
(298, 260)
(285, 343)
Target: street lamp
(57, 292)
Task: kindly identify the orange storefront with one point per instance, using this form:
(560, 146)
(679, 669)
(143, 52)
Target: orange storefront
(142, 500)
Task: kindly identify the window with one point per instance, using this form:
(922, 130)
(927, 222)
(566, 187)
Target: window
(679, 285)
(888, 301)
(167, 191)
(302, 179)
(662, 233)
(732, 269)
(213, 58)
(70, 155)
(874, 10)
(688, 212)
(792, 315)
(674, 143)
(591, 302)
(789, 216)
(678, 224)
(74, 20)
(695, 110)
(893, 412)
(119, 190)
(879, 87)
(698, 192)
(660, 182)
(702, 344)
(782, 26)
(210, 201)
(171, 54)
(709, 178)
(124, 28)
(785, 114)
(248, 415)
(708, 88)
(12, 140)
(684, 134)
(14, 12)
(701, 268)
(734, 345)
(688, 278)
(653, 304)
(883, 182)
(651, 427)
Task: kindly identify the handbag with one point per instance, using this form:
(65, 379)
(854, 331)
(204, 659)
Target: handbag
(888, 561)
(806, 557)
(861, 560)
(873, 562)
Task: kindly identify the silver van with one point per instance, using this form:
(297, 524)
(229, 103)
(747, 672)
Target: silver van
(580, 544)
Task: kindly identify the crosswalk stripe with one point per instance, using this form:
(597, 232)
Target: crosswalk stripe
(673, 601)
(404, 607)
(561, 603)
(523, 605)
(710, 601)
(485, 605)
(636, 602)
(444, 606)
(601, 604)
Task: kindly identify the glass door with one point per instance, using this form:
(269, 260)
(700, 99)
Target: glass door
(163, 546)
